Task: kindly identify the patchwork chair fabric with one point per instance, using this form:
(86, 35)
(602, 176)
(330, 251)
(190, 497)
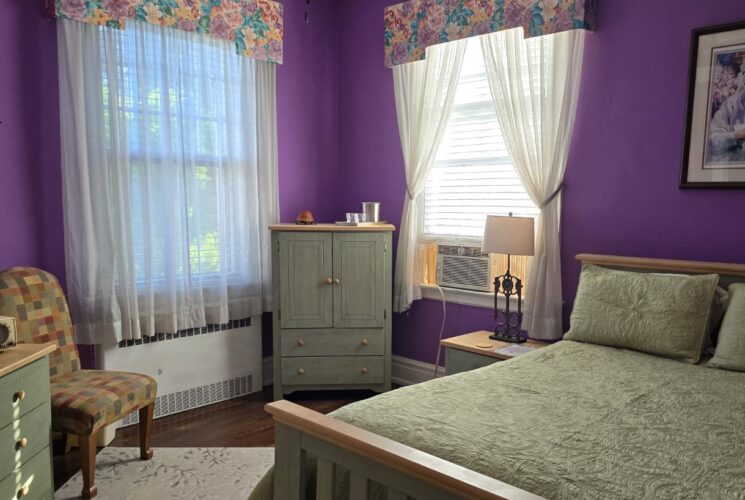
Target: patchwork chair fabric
(34, 297)
(83, 401)
(87, 400)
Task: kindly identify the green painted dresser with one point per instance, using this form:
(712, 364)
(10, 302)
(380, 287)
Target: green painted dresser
(25, 423)
(332, 307)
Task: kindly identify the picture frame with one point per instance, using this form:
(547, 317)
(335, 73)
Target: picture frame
(714, 142)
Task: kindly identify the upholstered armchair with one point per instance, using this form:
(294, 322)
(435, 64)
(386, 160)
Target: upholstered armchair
(83, 401)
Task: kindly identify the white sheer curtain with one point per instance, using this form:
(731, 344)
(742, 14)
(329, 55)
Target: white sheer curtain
(424, 100)
(169, 165)
(535, 85)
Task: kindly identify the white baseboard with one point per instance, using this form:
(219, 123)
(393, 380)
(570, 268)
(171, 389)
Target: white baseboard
(405, 371)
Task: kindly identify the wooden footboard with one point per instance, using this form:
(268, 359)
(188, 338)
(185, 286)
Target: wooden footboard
(404, 471)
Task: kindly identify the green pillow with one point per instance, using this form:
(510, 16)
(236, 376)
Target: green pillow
(730, 353)
(657, 314)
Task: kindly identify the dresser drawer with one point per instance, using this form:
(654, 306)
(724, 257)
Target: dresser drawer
(24, 389)
(345, 370)
(34, 477)
(32, 430)
(332, 342)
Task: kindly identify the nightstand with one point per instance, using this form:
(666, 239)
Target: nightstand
(475, 350)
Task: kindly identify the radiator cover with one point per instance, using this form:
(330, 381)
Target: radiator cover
(189, 399)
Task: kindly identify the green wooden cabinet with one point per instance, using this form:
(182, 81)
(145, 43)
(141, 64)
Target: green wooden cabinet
(25, 423)
(332, 307)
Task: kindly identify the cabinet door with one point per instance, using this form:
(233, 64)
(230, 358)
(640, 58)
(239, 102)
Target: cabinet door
(305, 276)
(359, 273)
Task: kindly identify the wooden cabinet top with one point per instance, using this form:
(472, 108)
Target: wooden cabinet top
(22, 355)
(480, 343)
(333, 228)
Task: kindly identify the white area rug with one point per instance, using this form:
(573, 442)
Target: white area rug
(177, 473)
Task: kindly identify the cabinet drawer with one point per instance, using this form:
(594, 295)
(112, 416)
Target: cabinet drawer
(361, 370)
(34, 429)
(36, 475)
(332, 343)
(24, 389)
(457, 361)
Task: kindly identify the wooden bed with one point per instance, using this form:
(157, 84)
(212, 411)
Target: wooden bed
(407, 472)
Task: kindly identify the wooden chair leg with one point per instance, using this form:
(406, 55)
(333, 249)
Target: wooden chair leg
(146, 430)
(88, 464)
(68, 443)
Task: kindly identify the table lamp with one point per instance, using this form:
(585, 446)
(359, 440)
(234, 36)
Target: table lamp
(510, 236)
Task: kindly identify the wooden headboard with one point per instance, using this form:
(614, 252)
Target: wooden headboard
(729, 272)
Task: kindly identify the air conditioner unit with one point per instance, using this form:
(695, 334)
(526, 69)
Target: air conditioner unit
(463, 267)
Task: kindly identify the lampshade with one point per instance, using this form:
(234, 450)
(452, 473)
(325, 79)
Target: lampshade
(509, 235)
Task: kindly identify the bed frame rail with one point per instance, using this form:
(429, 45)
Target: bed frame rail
(666, 265)
(405, 471)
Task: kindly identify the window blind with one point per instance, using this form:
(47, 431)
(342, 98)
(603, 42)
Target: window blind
(473, 175)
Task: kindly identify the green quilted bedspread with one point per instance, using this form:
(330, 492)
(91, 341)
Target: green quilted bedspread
(577, 421)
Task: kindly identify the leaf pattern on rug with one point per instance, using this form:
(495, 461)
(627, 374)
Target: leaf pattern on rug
(175, 473)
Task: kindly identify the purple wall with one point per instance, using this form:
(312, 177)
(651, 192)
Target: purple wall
(29, 139)
(30, 175)
(307, 108)
(621, 183)
(621, 192)
(370, 162)
(338, 141)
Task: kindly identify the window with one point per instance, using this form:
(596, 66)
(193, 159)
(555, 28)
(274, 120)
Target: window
(185, 149)
(170, 182)
(473, 175)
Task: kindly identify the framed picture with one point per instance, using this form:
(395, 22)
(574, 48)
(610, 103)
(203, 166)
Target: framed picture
(714, 149)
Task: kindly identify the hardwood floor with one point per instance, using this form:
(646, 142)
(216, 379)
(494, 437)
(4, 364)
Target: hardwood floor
(240, 422)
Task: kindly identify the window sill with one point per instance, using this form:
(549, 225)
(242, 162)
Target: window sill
(465, 297)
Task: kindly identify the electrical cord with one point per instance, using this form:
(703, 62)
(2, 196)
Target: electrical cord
(442, 329)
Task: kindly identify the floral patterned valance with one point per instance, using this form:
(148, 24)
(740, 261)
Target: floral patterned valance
(255, 26)
(411, 27)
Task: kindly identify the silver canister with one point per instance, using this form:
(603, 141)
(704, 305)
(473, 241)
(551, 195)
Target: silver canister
(372, 210)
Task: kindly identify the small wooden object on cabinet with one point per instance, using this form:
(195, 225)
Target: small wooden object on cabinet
(332, 307)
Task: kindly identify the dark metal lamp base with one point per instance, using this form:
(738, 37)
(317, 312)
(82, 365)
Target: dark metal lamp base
(512, 339)
(507, 328)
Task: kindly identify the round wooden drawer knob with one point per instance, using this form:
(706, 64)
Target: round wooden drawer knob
(329, 280)
(300, 342)
(20, 395)
(363, 371)
(300, 371)
(364, 342)
(22, 443)
(337, 281)
(23, 491)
